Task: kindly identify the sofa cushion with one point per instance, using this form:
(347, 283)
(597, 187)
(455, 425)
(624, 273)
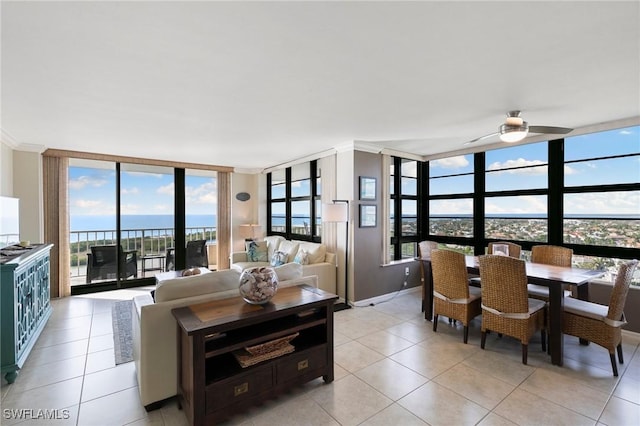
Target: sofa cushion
(196, 285)
(289, 271)
(273, 241)
(241, 266)
(316, 251)
(256, 251)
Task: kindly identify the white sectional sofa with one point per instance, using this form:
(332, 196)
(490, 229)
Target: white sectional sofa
(320, 262)
(154, 327)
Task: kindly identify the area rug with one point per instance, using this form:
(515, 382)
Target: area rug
(122, 331)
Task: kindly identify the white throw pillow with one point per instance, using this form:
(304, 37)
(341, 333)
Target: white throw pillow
(316, 251)
(278, 258)
(290, 248)
(302, 257)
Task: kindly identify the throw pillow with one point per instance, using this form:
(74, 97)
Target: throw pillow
(302, 257)
(256, 251)
(279, 258)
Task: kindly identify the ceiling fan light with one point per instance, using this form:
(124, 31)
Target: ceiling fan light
(510, 133)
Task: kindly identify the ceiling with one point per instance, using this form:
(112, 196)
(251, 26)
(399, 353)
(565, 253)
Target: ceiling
(255, 84)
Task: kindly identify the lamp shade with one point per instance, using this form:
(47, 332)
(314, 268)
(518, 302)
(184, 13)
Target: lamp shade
(335, 212)
(250, 230)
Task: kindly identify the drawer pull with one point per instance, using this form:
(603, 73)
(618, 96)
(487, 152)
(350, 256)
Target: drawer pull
(303, 364)
(240, 389)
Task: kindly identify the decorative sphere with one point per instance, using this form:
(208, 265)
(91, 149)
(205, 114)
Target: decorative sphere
(258, 284)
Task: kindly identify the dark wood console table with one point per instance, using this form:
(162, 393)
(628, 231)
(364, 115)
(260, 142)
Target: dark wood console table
(211, 383)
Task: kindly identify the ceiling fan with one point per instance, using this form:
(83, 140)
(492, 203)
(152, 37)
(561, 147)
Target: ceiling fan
(515, 129)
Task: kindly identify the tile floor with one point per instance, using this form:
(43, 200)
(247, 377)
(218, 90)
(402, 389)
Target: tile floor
(390, 369)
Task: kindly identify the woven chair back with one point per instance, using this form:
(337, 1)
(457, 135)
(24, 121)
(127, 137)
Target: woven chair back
(504, 283)
(425, 248)
(514, 249)
(449, 272)
(551, 255)
(620, 289)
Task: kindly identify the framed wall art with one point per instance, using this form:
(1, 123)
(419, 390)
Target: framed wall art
(367, 188)
(367, 216)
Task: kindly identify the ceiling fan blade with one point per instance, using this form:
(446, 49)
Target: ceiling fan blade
(549, 129)
(481, 138)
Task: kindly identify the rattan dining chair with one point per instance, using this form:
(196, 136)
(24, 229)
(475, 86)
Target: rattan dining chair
(549, 255)
(506, 308)
(452, 296)
(424, 254)
(513, 249)
(601, 324)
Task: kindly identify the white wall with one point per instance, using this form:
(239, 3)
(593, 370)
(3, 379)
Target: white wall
(244, 212)
(6, 170)
(27, 186)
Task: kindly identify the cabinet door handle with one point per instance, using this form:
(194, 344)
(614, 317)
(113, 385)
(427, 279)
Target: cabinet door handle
(240, 389)
(303, 364)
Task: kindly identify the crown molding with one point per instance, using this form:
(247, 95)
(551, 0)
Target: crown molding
(8, 140)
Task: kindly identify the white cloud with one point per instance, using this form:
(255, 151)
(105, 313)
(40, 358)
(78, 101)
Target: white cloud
(127, 191)
(163, 209)
(451, 207)
(83, 181)
(202, 194)
(534, 167)
(145, 174)
(612, 203)
(166, 189)
(87, 204)
(129, 209)
(451, 162)
(568, 170)
(626, 132)
(524, 204)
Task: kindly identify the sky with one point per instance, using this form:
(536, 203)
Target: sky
(92, 192)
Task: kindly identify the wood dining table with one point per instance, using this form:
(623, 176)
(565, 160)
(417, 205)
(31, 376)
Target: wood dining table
(553, 277)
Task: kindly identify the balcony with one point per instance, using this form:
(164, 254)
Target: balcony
(150, 246)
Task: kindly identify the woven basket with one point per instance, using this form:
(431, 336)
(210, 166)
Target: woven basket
(271, 345)
(245, 359)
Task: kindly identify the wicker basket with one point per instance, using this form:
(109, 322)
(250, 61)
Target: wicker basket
(252, 355)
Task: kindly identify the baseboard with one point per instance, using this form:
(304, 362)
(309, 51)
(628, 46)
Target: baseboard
(385, 297)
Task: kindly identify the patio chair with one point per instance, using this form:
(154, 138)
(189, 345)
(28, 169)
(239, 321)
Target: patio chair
(549, 255)
(601, 324)
(506, 308)
(452, 296)
(196, 255)
(102, 263)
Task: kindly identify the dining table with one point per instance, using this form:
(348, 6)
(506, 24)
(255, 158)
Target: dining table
(555, 278)
(551, 276)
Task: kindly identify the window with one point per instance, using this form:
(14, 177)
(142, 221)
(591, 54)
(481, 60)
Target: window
(601, 199)
(582, 192)
(294, 202)
(451, 188)
(404, 205)
(516, 198)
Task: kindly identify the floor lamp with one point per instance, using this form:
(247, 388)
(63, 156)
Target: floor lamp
(339, 212)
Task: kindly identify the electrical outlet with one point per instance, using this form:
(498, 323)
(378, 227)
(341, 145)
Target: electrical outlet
(406, 272)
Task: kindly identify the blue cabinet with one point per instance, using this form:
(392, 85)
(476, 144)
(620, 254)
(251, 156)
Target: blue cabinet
(24, 304)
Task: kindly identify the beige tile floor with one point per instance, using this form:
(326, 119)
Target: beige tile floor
(390, 369)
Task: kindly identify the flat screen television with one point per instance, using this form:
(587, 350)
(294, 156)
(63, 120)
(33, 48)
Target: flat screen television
(9, 221)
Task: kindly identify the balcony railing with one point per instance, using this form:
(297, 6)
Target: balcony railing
(145, 242)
